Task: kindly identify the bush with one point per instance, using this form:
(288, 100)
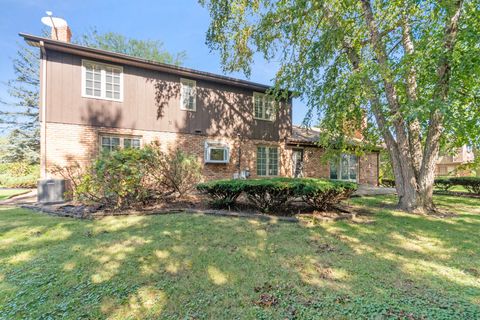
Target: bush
(224, 193)
(132, 177)
(443, 183)
(276, 193)
(268, 194)
(323, 194)
(389, 183)
(117, 179)
(175, 172)
(19, 175)
(472, 184)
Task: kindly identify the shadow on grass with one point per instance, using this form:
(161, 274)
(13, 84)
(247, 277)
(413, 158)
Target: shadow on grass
(178, 266)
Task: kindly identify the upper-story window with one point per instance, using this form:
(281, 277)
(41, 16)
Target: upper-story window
(263, 106)
(102, 81)
(188, 92)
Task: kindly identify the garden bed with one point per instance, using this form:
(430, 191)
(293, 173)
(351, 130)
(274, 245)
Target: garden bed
(198, 204)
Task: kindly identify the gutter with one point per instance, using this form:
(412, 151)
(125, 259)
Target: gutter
(43, 127)
(141, 63)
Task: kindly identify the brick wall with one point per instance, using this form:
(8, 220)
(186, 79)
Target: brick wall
(69, 143)
(313, 165)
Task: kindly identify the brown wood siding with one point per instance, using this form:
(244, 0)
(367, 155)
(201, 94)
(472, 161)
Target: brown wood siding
(151, 101)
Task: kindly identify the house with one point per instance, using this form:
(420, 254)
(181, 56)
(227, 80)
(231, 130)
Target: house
(93, 100)
(448, 164)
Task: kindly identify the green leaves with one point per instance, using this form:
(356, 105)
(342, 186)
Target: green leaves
(274, 194)
(309, 40)
(146, 49)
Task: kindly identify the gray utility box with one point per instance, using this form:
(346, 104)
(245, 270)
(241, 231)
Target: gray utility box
(51, 190)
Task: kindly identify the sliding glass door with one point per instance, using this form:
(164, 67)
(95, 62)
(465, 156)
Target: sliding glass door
(345, 168)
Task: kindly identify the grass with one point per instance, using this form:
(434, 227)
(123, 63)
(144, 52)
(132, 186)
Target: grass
(202, 267)
(8, 193)
(454, 188)
(19, 175)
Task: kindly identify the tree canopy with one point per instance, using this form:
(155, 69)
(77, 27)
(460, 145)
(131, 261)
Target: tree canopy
(410, 67)
(147, 49)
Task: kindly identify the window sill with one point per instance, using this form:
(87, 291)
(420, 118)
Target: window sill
(100, 98)
(261, 119)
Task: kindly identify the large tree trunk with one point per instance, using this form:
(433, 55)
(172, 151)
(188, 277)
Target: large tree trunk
(414, 171)
(399, 148)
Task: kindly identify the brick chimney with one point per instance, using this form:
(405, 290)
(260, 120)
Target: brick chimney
(61, 33)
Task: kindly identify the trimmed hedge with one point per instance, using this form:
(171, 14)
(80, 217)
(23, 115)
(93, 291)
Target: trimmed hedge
(224, 193)
(272, 194)
(323, 194)
(472, 184)
(443, 183)
(389, 183)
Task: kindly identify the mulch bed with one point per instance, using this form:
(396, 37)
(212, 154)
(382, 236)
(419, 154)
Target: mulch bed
(197, 204)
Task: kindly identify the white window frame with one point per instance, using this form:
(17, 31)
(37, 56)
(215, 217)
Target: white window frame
(267, 163)
(265, 99)
(188, 82)
(339, 165)
(121, 137)
(103, 80)
(209, 145)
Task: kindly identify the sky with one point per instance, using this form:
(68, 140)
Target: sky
(181, 25)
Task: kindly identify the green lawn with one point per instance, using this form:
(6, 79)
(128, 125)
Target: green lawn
(8, 193)
(202, 267)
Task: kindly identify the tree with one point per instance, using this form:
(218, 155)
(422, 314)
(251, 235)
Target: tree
(411, 67)
(21, 113)
(146, 49)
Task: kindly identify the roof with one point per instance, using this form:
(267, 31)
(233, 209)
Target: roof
(311, 136)
(304, 135)
(68, 47)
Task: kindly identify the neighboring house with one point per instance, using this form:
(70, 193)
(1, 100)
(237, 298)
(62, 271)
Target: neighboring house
(94, 100)
(447, 165)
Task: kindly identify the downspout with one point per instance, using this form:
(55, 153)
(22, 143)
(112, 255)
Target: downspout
(43, 127)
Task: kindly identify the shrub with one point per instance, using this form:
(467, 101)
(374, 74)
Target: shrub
(443, 183)
(389, 183)
(323, 194)
(268, 194)
(131, 177)
(472, 184)
(224, 193)
(118, 178)
(19, 175)
(272, 194)
(174, 172)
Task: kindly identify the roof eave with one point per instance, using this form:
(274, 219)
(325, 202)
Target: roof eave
(142, 63)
